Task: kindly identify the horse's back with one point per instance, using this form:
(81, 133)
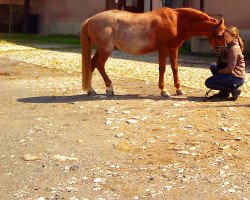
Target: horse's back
(131, 32)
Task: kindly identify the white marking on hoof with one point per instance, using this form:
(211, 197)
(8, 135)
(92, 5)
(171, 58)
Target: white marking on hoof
(110, 91)
(165, 94)
(180, 92)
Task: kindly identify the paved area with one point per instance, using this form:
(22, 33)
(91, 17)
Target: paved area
(56, 143)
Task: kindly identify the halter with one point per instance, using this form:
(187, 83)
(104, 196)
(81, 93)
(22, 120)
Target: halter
(215, 29)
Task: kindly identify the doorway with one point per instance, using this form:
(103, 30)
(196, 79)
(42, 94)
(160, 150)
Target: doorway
(136, 6)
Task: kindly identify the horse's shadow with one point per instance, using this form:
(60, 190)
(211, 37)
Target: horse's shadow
(79, 98)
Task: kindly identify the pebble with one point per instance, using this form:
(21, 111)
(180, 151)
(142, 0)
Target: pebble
(151, 141)
(64, 158)
(115, 127)
(70, 189)
(126, 112)
(119, 135)
(102, 96)
(224, 147)
(131, 121)
(176, 104)
(225, 167)
(108, 122)
(222, 173)
(29, 157)
(226, 183)
(223, 128)
(182, 119)
(168, 187)
(40, 198)
(231, 190)
(192, 148)
(184, 152)
(97, 180)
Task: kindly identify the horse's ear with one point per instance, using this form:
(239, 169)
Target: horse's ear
(220, 22)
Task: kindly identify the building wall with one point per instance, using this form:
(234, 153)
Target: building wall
(156, 4)
(64, 16)
(235, 13)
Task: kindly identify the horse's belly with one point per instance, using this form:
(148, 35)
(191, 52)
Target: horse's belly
(135, 44)
(135, 39)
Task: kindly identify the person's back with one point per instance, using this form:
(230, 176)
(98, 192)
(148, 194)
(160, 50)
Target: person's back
(235, 61)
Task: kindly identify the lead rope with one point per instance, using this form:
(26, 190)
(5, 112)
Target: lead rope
(207, 92)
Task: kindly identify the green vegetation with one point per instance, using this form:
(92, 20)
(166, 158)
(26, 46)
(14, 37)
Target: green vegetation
(185, 49)
(40, 39)
(56, 39)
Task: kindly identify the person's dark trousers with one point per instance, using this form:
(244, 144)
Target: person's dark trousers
(224, 82)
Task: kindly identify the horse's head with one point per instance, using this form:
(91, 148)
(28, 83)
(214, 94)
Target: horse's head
(216, 38)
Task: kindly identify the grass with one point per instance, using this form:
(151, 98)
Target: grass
(55, 39)
(25, 39)
(185, 49)
(40, 39)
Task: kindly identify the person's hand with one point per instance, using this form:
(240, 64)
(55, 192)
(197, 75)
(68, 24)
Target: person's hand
(220, 71)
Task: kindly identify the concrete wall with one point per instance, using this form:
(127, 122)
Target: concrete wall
(64, 16)
(235, 13)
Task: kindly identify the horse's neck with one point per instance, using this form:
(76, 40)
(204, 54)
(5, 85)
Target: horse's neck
(194, 25)
(197, 30)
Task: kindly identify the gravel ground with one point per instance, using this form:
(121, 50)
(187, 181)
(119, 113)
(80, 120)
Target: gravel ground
(193, 70)
(56, 143)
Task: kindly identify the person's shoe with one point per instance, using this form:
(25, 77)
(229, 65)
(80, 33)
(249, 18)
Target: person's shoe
(235, 93)
(224, 94)
(221, 95)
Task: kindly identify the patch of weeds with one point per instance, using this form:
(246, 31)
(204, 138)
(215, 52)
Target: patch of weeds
(39, 39)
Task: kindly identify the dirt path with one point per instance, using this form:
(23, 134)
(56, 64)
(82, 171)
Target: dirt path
(56, 143)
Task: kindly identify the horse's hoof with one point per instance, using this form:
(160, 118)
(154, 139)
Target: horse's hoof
(110, 92)
(165, 94)
(180, 92)
(91, 92)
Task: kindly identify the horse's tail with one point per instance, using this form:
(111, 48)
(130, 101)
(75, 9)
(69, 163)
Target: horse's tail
(86, 56)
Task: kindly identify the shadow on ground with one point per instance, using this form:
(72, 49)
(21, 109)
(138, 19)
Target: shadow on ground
(78, 98)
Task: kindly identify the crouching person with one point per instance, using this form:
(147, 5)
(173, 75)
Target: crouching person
(229, 78)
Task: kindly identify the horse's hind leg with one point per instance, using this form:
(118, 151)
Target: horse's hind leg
(162, 68)
(91, 91)
(174, 65)
(102, 58)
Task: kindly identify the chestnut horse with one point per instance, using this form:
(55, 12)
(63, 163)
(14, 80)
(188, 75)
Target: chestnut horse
(163, 30)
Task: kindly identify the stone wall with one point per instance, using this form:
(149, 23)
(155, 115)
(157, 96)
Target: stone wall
(201, 44)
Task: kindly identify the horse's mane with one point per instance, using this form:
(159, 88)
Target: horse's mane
(190, 13)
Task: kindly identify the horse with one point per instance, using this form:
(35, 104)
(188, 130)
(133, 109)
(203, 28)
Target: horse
(163, 30)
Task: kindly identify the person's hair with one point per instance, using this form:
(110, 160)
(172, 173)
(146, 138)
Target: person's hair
(233, 31)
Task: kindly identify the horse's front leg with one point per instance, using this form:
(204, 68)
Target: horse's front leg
(174, 65)
(162, 68)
